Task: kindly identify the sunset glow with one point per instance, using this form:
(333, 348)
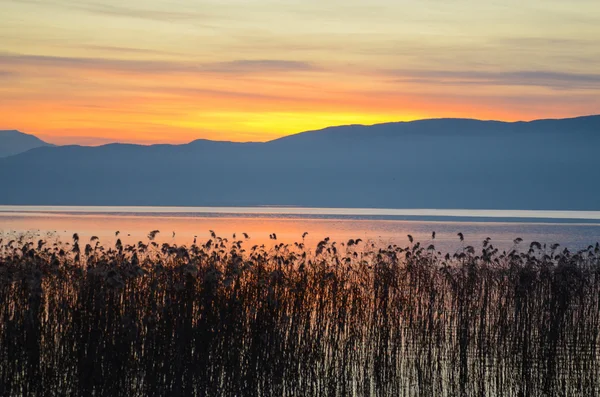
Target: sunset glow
(92, 72)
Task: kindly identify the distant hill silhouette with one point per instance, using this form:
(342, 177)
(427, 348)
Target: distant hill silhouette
(441, 163)
(14, 142)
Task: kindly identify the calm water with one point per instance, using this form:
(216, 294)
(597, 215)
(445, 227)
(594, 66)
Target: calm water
(572, 229)
(387, 331)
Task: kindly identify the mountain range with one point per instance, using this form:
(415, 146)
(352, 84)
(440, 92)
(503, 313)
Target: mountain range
(14, 142)
(436, 163)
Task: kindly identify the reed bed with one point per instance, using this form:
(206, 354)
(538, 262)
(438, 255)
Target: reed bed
(225, 318)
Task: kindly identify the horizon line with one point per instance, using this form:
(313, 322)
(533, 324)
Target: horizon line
(315, 211)
(153, 143)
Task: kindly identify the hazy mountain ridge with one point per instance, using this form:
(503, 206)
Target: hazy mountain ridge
(442, 163)
(13, 142)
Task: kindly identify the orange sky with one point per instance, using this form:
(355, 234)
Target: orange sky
(92, 72)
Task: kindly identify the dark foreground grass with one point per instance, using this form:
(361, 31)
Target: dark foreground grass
(339, 320)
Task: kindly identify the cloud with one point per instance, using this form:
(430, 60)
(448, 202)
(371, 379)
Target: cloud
(91, 63)
(124, 50)
(261, 65)
(100, 8)
(552, 42)
(241, 66)
(140, 13)
(549, 79)
(255, 98)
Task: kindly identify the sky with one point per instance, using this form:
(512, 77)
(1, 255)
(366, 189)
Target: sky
(148, 71)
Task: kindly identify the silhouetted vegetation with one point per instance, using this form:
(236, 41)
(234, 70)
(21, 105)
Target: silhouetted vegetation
(225, 318)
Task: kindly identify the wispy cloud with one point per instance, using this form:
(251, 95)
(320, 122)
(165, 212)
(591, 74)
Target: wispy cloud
(550, 41)
(91, 63)
(241, 66)
(549, 79)
(140, 13)
(125, 50)
(260, 65)
(103, 8)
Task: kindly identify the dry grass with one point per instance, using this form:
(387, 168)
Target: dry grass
(222, 318)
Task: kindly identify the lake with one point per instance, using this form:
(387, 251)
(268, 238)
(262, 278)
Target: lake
(353, 321)
(574, 229)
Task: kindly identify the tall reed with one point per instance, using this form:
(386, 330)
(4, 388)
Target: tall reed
(221, 318)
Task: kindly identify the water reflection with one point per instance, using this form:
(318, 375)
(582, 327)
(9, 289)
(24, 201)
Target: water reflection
(182, 229)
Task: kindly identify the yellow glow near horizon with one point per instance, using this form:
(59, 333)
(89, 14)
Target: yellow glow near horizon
(275, 124)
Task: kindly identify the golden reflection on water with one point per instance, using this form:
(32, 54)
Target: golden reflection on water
(182, 230)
